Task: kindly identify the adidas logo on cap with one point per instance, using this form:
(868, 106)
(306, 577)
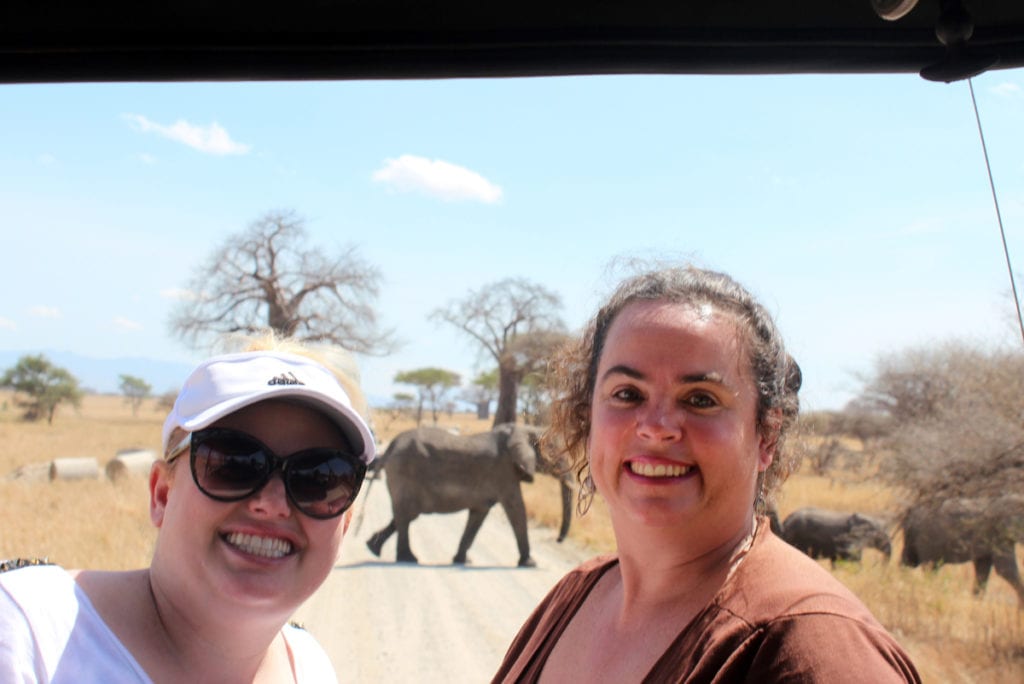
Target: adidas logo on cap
(285, 379)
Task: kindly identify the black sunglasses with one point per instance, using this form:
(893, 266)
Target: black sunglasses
(228, 465)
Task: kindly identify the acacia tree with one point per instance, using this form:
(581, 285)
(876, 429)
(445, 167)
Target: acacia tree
(165, 402)
(135, 390)
(482, 391)
(43, 385)
(432, 384)
(955, 415)
(268, 277)
(401, 405)
(515, 322)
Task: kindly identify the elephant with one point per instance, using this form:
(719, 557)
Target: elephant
(430, 470)
(836, 535)
(553, 465)
(773, 520)
(982, 531)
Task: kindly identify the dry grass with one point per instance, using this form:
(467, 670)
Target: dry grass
(77, 524)
(952, 636)
(94, 524)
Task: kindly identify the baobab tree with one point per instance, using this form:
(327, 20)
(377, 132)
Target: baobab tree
(268, 277)
(516, 322)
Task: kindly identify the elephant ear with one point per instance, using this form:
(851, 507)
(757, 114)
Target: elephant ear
(516, 443)
(504, 428)
(865, 528)
(858, 525)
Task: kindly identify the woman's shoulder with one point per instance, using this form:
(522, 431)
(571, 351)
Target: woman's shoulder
(311, 663)
(17, 563)
(45, 593)
(776, 580)
(29, 591)
(786, 611)
(28, 572)
(565, 597)
(34, 579)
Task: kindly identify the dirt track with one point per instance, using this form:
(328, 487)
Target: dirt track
(434, 622)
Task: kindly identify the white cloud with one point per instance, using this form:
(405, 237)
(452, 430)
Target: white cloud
(147, 158)
(438, 178)
(1007, 90)
(46, 159)
(45, 312)
(123, 323)
(212, 139)
(7, 324)
(179, 294)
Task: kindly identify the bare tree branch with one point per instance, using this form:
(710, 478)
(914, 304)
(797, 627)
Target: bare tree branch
(267, 277)
(516, 322)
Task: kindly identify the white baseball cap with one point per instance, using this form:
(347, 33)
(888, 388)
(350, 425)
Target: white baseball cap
(224, 384)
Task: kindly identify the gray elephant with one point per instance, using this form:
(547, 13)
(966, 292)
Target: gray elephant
(836, 535)
(553, 465)
(982, 531)
(773, 520)
(429, 470)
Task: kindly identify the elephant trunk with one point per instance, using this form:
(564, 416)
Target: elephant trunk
(566, 507)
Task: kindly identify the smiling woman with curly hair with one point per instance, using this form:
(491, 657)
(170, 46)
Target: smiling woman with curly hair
(674, 406)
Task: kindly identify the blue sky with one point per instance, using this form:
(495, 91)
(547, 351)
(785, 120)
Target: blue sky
(856, 206)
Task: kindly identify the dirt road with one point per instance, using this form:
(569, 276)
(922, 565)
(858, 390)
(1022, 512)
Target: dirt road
(381, 621)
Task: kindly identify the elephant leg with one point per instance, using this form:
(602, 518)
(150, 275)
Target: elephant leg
(476, 519)
(909, 556)
(375, 542)
(1006, 567)
(982, 568)
(515, 510)
(565, 487)
(848, 552)
(404, 552)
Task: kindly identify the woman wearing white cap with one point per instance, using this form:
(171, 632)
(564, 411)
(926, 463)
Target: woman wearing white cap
(265, 451)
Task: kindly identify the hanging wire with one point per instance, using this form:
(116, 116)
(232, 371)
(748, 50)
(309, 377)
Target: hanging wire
(999, 216)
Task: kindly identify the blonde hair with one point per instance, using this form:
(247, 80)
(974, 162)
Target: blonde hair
(339, 361)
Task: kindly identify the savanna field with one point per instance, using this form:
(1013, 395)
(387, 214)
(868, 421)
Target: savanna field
(952, 636)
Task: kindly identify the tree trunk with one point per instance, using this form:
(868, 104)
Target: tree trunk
(483, 409)
(508, 386)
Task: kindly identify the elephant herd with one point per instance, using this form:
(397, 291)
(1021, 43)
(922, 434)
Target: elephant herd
(980, 531)
(429, 470)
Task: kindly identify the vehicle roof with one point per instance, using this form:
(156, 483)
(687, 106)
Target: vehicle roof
(117, 40)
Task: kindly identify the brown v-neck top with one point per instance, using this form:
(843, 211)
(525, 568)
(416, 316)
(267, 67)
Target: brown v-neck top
(779, 617)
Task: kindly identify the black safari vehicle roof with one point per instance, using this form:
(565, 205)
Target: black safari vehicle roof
(116, 40)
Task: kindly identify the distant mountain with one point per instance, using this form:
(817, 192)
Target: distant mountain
(104, 375)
